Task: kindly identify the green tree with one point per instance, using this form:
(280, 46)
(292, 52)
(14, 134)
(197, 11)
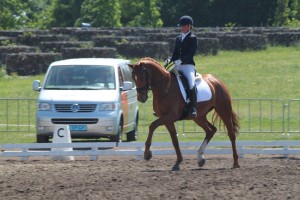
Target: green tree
(100, 13)
(129, 9)
(220, 12)
(60, 13)
(294, 16)
(35, 13)
(169, 12)
(297, 7)
(282, 13)
(287, 13)
(66, 12)
(140, 13)
(11, 14)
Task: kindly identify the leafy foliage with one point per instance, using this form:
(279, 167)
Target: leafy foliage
(11, 15)
(65, 12)
(287, 13)
(140, 13)
(100, 13)
(20, 14)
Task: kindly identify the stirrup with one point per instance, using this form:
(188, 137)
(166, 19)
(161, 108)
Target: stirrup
(193, 112)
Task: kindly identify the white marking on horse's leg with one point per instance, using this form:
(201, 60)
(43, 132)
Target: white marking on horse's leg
(201, 149)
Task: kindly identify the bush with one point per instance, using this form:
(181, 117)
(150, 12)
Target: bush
(208, 46)
(96, 52)
(30, 63)
(241, 42)
(156, 50)
(284, 38)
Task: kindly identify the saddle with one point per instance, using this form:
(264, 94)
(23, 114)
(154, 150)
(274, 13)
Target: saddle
(185, 85)
(203, 90)
(183, 80)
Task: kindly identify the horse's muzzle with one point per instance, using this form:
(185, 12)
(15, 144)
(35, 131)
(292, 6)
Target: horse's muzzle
(142, 97)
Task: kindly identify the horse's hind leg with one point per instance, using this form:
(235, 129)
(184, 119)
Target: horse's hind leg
(232, 137)
(228, 121)
(210, 130)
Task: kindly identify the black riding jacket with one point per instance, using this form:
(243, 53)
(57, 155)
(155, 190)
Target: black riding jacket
(186, 49)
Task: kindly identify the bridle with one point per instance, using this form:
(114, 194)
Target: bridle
(144, 90)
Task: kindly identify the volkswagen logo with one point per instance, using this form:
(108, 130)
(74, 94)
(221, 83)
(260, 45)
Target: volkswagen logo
(75, 108)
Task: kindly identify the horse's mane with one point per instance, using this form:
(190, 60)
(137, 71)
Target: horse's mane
(152, 60)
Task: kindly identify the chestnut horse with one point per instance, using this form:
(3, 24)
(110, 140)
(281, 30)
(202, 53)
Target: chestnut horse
(168, 105)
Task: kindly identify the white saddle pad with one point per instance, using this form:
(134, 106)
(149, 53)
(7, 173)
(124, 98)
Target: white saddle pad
(203, 90)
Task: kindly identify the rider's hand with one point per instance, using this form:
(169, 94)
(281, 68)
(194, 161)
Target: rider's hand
(177, 62)
(168, 61)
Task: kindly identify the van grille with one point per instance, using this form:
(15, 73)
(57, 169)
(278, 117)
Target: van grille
(75, 121)
(68, 107)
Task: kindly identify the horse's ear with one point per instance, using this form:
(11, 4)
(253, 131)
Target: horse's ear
(131, 65)
(141, 63)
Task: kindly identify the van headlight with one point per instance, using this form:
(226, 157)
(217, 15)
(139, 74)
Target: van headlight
(107, 106)
(44, 106)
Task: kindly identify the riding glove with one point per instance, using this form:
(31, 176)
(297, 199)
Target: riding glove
(177, 62)
(168, 61)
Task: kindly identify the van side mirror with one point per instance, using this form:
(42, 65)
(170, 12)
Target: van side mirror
(127, 85)
(36, 85)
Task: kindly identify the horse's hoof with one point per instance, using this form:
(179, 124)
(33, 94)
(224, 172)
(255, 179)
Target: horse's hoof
(175, 168)
(148, 156)
(236, 166)
(201, 163)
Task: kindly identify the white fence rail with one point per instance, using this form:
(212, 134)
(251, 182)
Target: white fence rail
(95, 150)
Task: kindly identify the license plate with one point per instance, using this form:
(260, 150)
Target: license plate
(78, 128)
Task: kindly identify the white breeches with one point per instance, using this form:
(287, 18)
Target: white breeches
(189, 72)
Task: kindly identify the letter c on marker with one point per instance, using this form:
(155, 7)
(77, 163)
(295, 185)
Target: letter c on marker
(59, 135)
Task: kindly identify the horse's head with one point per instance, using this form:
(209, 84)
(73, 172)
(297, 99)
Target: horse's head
(141, 77)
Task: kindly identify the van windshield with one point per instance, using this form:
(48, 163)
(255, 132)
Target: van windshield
(81, 77)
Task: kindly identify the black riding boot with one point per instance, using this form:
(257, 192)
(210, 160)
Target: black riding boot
(193, 103)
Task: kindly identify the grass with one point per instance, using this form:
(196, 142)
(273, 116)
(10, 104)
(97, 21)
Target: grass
(272, 73)
(18, 86)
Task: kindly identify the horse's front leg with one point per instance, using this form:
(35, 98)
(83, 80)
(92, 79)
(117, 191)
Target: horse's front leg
(173, 133)
(152, 127)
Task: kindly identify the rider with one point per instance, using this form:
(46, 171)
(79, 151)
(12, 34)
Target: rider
(183, 58)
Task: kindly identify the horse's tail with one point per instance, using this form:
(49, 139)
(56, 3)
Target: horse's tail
(234, 120)
(235, 123)
(223, 107)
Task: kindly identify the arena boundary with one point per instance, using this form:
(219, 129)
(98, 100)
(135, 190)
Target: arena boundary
(95, 150)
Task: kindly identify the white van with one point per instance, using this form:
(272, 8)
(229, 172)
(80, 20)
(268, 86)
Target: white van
(96, 97)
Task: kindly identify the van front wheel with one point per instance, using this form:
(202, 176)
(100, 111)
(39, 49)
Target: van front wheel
(118, 137)
(132, 135)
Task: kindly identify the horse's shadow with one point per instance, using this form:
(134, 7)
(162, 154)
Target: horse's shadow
(170, 170)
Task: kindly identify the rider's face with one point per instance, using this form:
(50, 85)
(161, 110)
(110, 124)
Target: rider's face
(185, 28)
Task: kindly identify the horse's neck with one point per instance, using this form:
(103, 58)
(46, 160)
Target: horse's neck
(162, 87)
(158, 76)
(160, 81)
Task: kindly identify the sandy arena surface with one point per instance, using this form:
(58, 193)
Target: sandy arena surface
(260, 177)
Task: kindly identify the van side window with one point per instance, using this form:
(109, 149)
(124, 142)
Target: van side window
(121, 77)
(127, 73)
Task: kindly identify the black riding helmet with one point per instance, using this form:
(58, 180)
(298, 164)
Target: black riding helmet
(185, 20)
